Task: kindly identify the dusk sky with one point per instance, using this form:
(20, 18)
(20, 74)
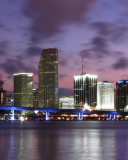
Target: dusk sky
(96, 28)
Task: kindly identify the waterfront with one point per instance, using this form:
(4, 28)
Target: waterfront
(64, 140)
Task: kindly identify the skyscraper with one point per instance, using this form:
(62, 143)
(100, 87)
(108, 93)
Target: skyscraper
(122, 95)
(2, 94)
(23, 89)
(85, 91)
(105, 95)
(48, 79)
(35, 98)
(1, 84)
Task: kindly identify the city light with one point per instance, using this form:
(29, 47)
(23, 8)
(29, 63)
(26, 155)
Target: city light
(22, 118)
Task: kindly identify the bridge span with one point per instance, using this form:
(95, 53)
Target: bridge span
(79, 112)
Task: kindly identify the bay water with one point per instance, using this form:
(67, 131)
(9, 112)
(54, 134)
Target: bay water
(64, 140)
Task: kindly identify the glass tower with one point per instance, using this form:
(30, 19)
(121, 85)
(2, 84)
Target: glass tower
(122, 95)
(23, 89)
(48, 79)
(35, 98)
(85, 91)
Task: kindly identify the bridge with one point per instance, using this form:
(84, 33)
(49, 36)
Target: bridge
(79, 112)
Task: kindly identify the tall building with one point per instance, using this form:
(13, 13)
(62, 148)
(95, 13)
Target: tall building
(105, 95)
(85, 91)
(8, 99)
(2, 94)
(35, 98)
(122, 95)
(48, 79)
(23, 89)
(1, 84)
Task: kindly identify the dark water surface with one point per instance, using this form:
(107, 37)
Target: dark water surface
(64, 140)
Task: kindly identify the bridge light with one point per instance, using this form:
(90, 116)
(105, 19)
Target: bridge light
(36, 111)
(22, 118)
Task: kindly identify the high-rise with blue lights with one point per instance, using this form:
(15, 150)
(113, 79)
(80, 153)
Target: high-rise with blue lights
(122, 95)
(48, 79)
(85, 91)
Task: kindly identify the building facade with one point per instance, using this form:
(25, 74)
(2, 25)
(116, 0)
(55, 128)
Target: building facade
(105, 95)
(1, 84)
(23, 89)
(35, 97)
(66, 102)
(8, 99)
(2, 94)
(85, 91)
(48, 79)
(122, 95)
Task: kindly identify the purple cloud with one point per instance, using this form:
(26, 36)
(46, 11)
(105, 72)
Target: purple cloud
(102, 28)
(98, 49)
(107, 34)
(99, 43)
(3, 47)
(48, 16)
(114, 32)
(33, 51)
(1, 26)
(11, 66)
(121, 63)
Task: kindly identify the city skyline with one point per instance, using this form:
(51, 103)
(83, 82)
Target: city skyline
(97, 29)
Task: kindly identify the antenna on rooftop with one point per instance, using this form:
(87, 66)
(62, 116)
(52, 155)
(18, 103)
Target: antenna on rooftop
(82, 62)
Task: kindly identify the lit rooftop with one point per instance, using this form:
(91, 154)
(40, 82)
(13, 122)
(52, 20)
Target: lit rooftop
(29, 74)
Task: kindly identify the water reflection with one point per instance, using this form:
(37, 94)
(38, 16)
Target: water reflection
(64, 141)
(11, 146)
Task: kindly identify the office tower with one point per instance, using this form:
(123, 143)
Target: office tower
(35, 97)
(85, 91)
(2, 94)
(115, 98)
(122, 95)
(105, 95)
(8, 99)
(23, 89)
(1, 84)
(48, 79)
